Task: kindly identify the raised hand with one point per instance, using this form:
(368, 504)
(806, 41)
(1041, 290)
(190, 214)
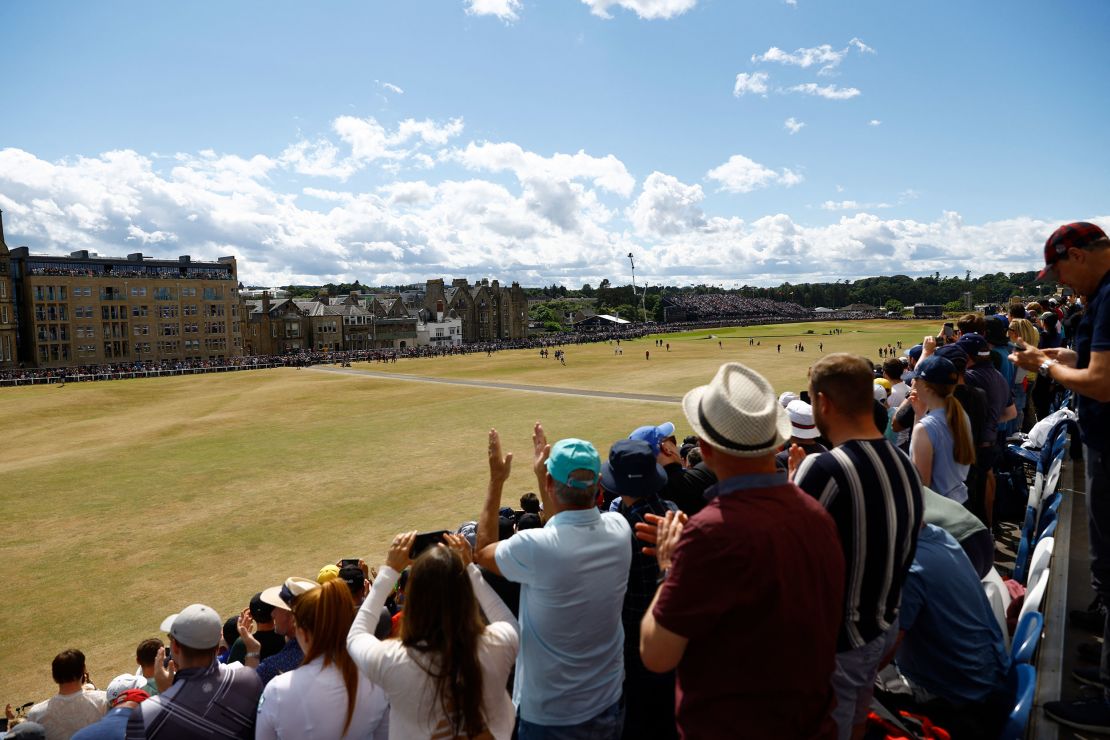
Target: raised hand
(928, 346)
(459, 544)
(662, 533)
(163, 671)
(793, 460)
(541, 450)
(500, 465)
(398, 556)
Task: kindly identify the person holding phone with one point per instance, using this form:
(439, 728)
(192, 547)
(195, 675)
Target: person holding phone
(447, 674)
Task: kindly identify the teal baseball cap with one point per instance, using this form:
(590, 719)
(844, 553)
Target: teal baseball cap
(568, 455)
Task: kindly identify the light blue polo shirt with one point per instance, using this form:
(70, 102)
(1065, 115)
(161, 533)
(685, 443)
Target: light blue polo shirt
(573, 574)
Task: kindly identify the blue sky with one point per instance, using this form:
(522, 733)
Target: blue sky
(724, 142)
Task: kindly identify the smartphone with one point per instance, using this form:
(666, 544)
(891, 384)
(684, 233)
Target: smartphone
(348, 561)
(948, 330)
(424, 540)
(1020, 346)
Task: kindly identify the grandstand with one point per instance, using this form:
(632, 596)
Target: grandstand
(725, 306)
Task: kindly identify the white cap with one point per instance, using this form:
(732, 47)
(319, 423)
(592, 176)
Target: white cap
(801, 420)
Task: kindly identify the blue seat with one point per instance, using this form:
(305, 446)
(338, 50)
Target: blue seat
(1026, 637)
(1025, 546)
(1049, 531)
(1021, 684)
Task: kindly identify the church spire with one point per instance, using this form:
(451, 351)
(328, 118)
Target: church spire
(3, 246)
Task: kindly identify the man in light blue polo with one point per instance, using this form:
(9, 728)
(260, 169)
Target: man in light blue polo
(573, 574)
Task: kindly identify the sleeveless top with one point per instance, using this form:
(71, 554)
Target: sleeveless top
(948, 476)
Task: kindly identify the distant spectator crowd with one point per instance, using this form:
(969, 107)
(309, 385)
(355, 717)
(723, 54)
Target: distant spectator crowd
(726, 305)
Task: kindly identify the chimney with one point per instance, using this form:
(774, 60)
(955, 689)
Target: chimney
(322, 297)
(266, 302)
(3, 246)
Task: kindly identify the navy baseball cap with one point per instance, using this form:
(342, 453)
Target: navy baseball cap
(1077, 235)
(974, 345)
(914, 352)
(954, 354)
(934, 369)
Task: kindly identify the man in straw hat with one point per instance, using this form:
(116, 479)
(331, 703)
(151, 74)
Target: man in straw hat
(755, 658)
(873, 493)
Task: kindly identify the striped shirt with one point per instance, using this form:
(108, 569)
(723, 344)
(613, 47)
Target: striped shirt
(873, 493)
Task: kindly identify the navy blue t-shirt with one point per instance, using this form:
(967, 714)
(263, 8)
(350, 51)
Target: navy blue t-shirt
(1093, 335)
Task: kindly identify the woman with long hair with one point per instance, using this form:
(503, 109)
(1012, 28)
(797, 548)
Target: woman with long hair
(446, 676)
(326, 696)
(1022, 331)
(941, 445)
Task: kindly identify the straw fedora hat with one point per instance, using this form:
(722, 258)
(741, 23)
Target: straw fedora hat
(738, 413)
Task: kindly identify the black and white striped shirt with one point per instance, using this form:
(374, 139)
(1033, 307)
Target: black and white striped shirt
(873, 493)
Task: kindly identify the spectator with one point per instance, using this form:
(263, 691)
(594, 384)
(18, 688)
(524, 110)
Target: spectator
(124, 694)
(981, 373)
(1078, 255)
(446, 676)
(530, 503)
(803, 433)
(189, 708)
(528, 521)
(892, 371)
(952, 650)
(269, 641)
(326, 696)
(633, 474)
(73, 707)
(941, 448)
(291, 655)
(574, 571)
(953, 518)
(778, 551)
(357, 582)
(685, 485)
(146, 655)
(1023, 332)
(873, 493)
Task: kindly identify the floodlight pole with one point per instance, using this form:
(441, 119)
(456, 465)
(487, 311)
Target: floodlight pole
(632, 261)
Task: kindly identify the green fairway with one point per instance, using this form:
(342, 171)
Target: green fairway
(126, 501)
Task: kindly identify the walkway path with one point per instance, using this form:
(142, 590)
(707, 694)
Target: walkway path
(582, 392)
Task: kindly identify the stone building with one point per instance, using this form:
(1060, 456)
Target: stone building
(88, 310)
(488, 311)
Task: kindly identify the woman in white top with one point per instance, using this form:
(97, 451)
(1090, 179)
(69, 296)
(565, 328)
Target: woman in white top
(446, 677)
(326, 697)
(942, 448)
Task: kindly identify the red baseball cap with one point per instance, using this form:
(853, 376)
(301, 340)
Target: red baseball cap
(1078, 235)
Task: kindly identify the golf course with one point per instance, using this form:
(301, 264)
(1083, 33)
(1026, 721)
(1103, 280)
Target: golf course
(125, 501)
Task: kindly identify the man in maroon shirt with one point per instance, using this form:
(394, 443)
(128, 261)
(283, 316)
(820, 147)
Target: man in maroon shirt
(750, 604)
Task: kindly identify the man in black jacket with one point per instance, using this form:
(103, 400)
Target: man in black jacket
(685, 486)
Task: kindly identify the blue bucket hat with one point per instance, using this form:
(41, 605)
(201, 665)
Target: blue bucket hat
(568, 455)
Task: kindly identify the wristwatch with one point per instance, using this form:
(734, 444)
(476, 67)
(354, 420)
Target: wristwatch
(1046, 367)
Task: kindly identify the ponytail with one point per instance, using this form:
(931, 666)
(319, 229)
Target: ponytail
(963, 445)
(326, 614)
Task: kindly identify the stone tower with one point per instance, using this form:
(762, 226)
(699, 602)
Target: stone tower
(8, 348)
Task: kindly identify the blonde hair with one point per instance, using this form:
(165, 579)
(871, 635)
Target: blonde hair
(1026, 331)
(963, 444)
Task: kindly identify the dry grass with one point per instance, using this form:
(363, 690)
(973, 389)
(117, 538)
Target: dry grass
(125, 501)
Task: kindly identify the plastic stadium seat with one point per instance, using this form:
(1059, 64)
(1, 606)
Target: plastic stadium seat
(1026, 637)
(1049, 531)
(1025, 546)
(1042, 556)
(1021, 685)
(994, 594)
(993, 576)
(1035, 595)
(1048, 518)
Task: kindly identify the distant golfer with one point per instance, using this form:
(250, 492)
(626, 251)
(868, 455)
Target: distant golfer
(647, 354)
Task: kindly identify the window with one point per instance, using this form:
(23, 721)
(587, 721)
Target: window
(40, 312)
(86, 349)
(212, 294)
(62, 293)
(40, 294)
(167, 312)
(191, 328)
(111, 293)
(137, 292)
(188, 292)
(189, 309)
(165, 294)
(141, 329)
(138, 311)
(170, 330)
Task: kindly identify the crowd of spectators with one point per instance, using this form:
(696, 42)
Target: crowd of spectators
(713, 306)
(152, 273)
(750, 582)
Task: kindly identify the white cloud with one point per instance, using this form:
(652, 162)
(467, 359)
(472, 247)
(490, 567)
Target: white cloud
(742, 175)
(755, 83)
(645, 9)
(607, 173)
(851, 205)
(829, 92)
(506, 10)
(824, 55)
(548, 227)
(805, 58)
(793, 125)
(874, 122)
(666, 206)
(390, 87)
